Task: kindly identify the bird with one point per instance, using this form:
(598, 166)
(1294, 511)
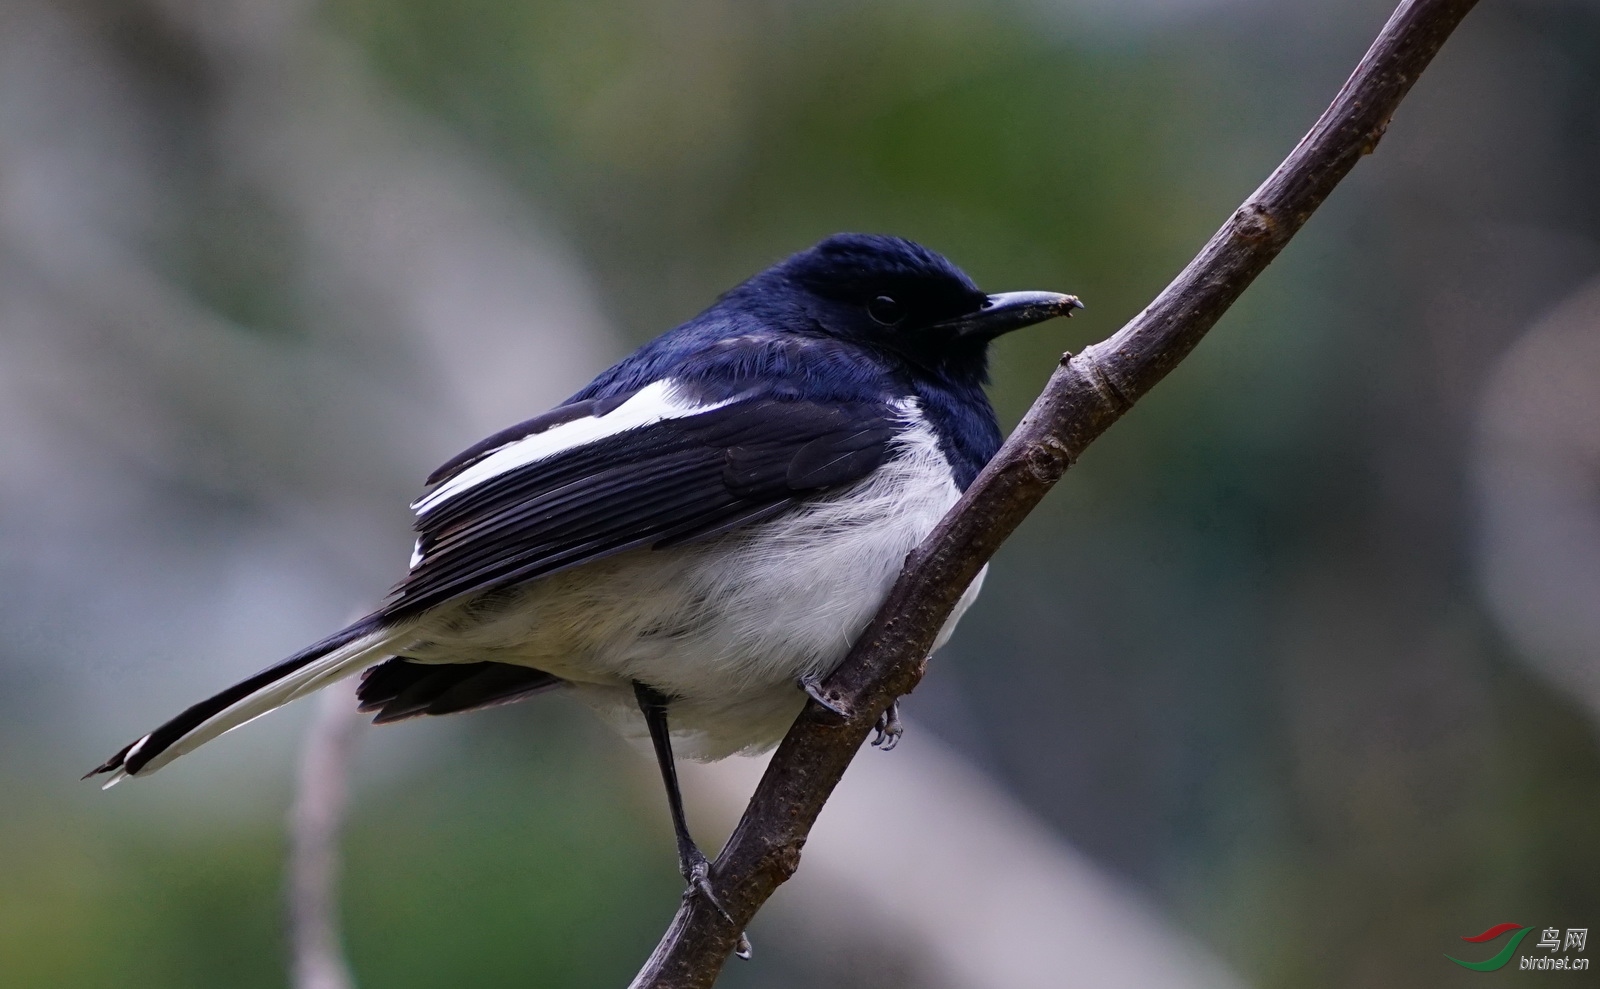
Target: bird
(691, 542)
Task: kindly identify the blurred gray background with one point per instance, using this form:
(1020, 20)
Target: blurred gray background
(1291, 683)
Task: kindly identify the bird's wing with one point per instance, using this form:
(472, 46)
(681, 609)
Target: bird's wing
(654, 470)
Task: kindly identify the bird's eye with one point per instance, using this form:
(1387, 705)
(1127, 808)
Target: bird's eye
(885, 310)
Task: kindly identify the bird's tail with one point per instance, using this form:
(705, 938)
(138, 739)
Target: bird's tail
(341, 654)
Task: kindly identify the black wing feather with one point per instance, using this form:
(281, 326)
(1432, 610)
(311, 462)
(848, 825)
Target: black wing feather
(557, 416)
(664, 484)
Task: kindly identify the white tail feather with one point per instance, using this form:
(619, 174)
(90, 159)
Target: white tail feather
(335, 665)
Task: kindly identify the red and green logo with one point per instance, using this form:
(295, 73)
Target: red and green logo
(1499, 960)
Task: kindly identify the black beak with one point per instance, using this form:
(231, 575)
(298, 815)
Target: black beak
(1009, 311)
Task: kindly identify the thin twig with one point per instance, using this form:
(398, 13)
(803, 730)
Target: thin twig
(1084, 397)
(315, 948)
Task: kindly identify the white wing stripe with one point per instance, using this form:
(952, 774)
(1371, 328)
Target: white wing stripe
(654, 403)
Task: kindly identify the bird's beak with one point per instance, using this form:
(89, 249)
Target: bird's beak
(1009, 311)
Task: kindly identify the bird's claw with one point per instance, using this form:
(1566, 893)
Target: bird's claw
(889, 728)
(812, 685)
(697, 873)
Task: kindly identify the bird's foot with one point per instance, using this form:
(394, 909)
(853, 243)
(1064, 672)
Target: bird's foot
(889, 728)
(812, 685)
(696, 869)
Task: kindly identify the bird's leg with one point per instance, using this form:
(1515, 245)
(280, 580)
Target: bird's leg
(811, 683)
(889, 728)
(692, 861)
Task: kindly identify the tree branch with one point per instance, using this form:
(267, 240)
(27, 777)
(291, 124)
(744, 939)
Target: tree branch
(311, 894)
(1084, 397)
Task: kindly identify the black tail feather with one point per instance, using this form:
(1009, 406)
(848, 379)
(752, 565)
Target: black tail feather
(137, 753)
(401, 688)
(112, 764)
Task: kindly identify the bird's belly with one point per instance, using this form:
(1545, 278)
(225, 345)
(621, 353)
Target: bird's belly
(724, 627)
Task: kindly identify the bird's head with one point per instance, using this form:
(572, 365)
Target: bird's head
(891, 295)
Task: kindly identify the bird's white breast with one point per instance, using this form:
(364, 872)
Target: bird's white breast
(727, 626)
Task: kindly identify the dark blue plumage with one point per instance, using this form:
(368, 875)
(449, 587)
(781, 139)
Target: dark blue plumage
(805, 328)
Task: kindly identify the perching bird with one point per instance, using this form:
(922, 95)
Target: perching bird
(695, 537)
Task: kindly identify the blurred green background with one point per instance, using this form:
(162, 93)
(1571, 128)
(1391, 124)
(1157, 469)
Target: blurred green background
(1266, 655)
